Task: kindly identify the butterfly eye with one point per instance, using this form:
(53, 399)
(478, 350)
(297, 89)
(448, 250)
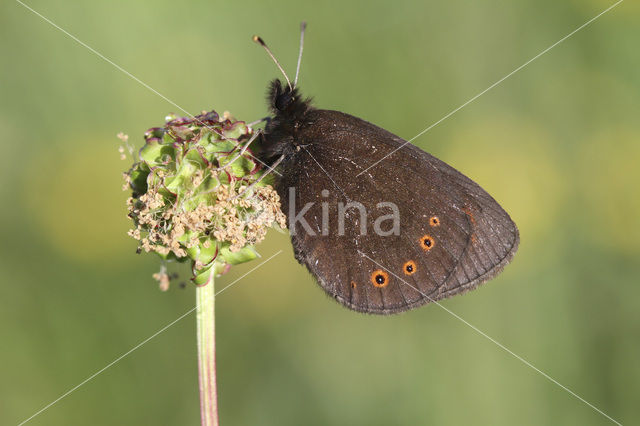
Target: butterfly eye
(284, 100)
(434, 221)
(409, 268)
(427, 242)
(380, 278)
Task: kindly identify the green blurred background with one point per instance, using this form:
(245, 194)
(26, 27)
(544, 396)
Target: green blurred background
(558, 144)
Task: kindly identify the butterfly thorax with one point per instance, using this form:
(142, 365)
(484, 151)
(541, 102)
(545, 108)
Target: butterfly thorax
(290, 113)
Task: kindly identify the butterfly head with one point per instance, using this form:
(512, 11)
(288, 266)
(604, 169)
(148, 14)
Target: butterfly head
(283, 100)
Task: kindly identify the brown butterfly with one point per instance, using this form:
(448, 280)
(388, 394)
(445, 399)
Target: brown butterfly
(385, 238)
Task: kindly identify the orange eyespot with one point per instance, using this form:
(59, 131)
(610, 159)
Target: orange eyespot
(380, 278)
(434, 221)
(353, 284)
(427, 242)
(409, 268)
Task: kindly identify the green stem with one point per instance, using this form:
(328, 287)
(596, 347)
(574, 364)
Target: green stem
(205, 318)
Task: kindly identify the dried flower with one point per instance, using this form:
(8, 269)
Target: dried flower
(192, 194)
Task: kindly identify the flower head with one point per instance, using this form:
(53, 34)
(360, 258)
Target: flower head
(197, 194)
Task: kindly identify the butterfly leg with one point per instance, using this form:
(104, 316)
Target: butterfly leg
(242, 151)
(262, 120)
(265, 174)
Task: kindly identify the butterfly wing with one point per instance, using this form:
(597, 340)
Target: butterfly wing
(450, 235)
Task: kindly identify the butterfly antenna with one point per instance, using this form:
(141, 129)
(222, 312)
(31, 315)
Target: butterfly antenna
(303, 26)
(261, 42)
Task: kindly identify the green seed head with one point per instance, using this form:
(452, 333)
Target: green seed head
(196, 194)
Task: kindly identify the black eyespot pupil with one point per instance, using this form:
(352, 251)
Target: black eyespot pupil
(427, 242)
(379, 279)
(409, 268)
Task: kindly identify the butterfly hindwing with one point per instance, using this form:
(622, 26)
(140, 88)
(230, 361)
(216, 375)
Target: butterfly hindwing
(452, 235)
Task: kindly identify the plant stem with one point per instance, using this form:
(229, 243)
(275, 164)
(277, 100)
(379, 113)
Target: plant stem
(205, 318)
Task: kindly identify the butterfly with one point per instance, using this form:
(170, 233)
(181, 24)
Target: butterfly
(383, 226)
